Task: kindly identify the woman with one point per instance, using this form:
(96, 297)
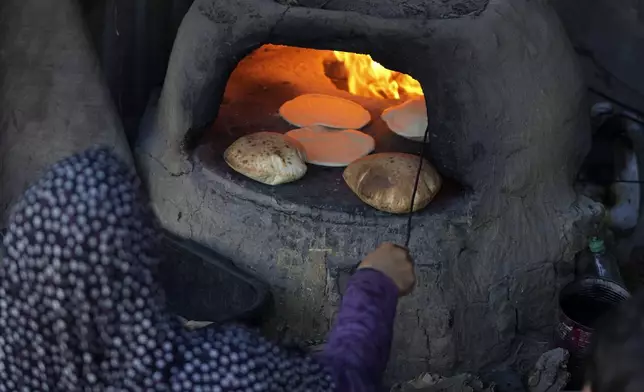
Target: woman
(80, 308)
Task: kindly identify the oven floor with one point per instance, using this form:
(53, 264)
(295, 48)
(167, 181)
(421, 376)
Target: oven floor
(260, 84)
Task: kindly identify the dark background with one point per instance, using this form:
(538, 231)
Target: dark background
(133, 40)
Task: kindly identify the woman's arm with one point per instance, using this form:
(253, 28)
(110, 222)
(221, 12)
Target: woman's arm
(358, 346)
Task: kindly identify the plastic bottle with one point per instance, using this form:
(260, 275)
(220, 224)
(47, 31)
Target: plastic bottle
(597, 262)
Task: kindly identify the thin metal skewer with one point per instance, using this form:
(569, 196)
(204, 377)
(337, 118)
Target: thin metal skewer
(413, 193)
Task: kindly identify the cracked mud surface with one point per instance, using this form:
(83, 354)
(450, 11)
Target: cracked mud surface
(421, 9)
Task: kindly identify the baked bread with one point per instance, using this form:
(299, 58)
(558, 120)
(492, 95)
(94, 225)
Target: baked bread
(325, 110)
(268, 157)
(385, 181)
(332, 148)
(409, 119)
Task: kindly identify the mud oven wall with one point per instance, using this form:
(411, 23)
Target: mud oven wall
(507, 120)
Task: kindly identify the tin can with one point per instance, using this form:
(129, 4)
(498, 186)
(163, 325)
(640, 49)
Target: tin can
(582, 304)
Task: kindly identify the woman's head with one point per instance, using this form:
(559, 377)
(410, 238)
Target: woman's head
(616, 363)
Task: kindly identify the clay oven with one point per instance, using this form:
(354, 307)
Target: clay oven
(507, 128)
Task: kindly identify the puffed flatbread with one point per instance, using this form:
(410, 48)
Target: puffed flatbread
(333, 148)
(325, 110)
(385, 181)
(408, 119)
(268, 157)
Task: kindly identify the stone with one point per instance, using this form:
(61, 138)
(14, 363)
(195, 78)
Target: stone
(549, 373)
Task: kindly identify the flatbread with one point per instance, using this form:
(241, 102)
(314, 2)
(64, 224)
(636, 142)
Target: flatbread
(325, 110)
(268, 157)
(409, 119)
(385, 181)
(332, 148)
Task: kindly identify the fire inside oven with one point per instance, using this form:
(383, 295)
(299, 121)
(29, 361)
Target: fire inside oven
(344, 110)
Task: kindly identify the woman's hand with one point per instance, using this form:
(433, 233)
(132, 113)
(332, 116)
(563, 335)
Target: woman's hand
(395, 262)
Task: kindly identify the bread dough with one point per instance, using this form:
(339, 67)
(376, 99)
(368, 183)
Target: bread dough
(268, 157)
(326, 110)
(385, 181)
(408, 119)
(333, 148)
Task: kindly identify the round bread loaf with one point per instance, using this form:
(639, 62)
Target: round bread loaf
(268, 157)
(325, 110)
(385, 181)
(324, 147)
(409, 119)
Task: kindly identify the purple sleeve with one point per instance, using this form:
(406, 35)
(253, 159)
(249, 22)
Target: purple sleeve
(358, 347)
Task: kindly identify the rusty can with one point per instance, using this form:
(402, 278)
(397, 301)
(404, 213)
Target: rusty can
(581, 304)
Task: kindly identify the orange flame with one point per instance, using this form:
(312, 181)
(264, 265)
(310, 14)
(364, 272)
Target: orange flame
(370, 79)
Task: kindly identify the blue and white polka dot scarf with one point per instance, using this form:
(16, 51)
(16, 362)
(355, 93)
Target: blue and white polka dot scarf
(81, 308)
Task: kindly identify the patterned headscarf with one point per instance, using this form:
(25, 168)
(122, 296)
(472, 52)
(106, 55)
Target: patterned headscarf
(81, 308)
